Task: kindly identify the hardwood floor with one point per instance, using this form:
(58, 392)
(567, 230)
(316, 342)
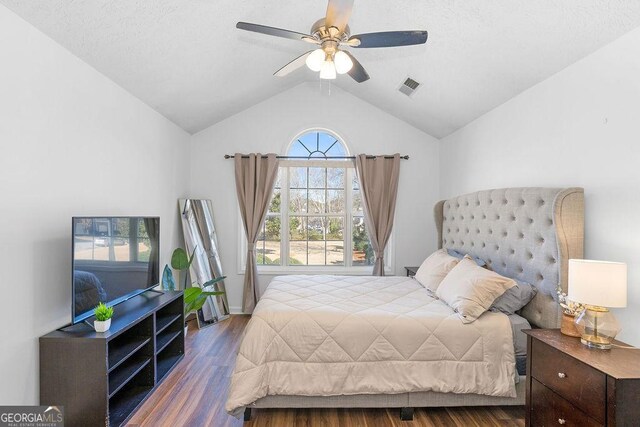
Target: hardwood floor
(194, 394)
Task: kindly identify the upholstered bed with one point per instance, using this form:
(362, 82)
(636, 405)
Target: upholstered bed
(528, 234)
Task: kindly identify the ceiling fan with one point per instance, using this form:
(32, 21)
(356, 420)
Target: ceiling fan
(332, 34)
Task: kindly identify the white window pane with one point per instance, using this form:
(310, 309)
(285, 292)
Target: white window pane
(298, 252)
(297, 177)
(315, 228)
(335, 253)
(298, 201)
(297, 228)
(268, 247)
(317, 177)
(272, 228)
(335, 177)
(355, 184)
(272, 253)
(335, 229)
(336, 149)
(280, 179)
(356, 201)
(362, 250)
(335, 201)
(316, 203)
(276, 199)
(260, 260)
(316, 253)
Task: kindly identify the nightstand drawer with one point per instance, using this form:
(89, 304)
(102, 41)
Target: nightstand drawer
(549, 409)
(577, 382)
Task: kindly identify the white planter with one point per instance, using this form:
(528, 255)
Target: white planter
(102, 326)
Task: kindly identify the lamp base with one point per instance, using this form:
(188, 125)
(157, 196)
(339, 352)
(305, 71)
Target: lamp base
(598, 342)
(598, 327)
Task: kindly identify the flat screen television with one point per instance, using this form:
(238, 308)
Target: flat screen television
(113, 259)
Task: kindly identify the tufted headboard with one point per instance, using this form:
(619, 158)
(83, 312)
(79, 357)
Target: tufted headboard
(528, 234)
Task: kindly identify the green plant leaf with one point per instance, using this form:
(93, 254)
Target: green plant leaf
(180, 259)
(195, 297)
(212, 281)
(191, 294)
(102, 312)
(212, 293)
(192, 256)
(197, 305)
(168, 284)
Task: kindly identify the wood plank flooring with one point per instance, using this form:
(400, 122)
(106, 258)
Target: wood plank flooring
(195, 392)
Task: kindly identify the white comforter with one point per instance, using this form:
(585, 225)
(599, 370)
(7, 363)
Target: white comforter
(339, 335)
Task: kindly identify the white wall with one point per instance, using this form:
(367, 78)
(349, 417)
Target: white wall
(581, 127)
(71, 143)
(74, 143)
(271, 125)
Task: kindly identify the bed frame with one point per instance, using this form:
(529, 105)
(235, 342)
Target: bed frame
(527, 234)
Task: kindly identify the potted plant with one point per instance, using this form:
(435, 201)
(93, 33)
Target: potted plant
(570, 309)
(195, 296)
(103, 317)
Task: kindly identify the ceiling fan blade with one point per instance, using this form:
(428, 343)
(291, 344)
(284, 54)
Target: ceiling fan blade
(272, 31)
(293, 65)
(338, 13)
(389, 39)
(357, 72)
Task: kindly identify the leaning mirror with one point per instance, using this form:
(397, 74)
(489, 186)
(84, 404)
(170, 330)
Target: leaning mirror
(200, 235)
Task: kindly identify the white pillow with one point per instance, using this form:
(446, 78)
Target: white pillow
(470, 290)
(435, 268)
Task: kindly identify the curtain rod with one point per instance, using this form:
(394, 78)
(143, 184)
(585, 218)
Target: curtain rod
(405, 157)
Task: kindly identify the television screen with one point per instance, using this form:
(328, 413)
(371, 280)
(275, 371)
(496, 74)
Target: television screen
(114, 259)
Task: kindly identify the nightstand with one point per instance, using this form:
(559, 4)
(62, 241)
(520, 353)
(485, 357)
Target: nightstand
(570, 384)
(411, 271)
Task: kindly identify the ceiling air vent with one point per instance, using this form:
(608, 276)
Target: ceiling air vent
(409, 86)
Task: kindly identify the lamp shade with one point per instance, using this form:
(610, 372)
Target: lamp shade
(343, 62)
(598, 283)
(315, 60)
(328, 70)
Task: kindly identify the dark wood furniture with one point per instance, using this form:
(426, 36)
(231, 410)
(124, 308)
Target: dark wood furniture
(411, 271)
(102, 378)
(571, 384)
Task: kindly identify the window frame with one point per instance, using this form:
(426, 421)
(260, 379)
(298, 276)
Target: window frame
(347, 268)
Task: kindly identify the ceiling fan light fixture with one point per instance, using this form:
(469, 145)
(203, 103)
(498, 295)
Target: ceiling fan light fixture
(342, 62)
(315, 60)
(330, 34)
(328, 70)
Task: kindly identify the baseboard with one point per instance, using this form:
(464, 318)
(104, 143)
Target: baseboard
(235, 310)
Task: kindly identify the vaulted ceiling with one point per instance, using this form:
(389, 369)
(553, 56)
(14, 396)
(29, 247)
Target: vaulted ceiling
(186, 59)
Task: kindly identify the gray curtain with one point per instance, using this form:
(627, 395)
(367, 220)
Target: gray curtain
(255, 176)
(153, 271)
(379, 187)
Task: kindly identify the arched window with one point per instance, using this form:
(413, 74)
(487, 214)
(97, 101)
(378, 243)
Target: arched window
(317, 145)
(315, 219)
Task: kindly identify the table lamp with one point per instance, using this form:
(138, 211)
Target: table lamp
(599, 285)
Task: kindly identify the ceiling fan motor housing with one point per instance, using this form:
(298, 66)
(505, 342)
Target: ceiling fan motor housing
(322, 33)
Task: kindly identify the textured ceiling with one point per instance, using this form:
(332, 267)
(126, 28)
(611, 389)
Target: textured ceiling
(187, 60)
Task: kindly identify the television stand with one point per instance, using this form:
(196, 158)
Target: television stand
(102, 378)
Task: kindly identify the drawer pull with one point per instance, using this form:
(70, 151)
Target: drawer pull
(562, 375)
(561, 421)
